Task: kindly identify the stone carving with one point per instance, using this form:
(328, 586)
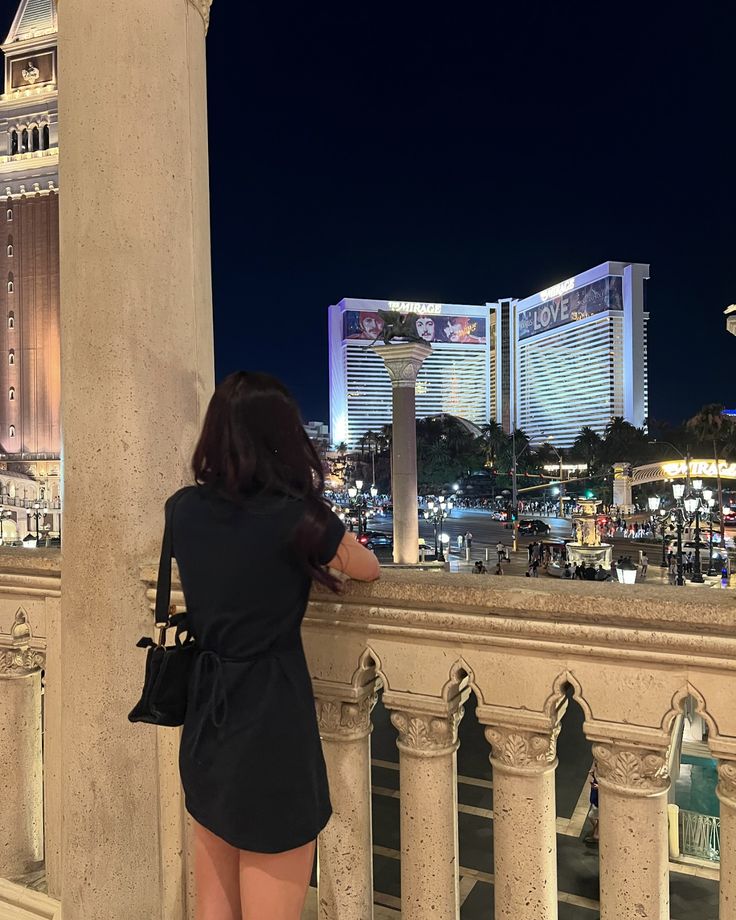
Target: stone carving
(398, 326)
(203, 8)
(727, 781)
(345, 720)
(19, 662)
(425, 734)
(514, 748)
(403, 368)
(633, 769)
(20, 632)
(30, 73)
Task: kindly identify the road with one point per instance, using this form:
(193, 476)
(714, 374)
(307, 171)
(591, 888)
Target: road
(487, 532)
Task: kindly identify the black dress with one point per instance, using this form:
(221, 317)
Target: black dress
(250, 757)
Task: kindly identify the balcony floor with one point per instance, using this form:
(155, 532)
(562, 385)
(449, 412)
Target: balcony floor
(694, 895)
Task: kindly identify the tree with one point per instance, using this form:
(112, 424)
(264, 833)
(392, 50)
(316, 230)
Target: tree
(712, 427)
(624, 441)
(495, 442)
(588, 447)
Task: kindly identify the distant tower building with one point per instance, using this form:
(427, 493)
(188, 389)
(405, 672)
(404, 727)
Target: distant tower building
(30, 379)
(731, 318)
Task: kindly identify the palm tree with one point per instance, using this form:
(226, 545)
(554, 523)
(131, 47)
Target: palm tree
(712, 426)
(494, 440)
(588, 446)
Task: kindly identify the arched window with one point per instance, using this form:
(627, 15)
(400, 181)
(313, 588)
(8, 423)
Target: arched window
(45, 138)
(9, 214)
(11, 285)
(24, 140)
(13, 142)
(10, 246)
(11, 320)
(11, 393)
(35, 138)
(11, 357)
(11, 431)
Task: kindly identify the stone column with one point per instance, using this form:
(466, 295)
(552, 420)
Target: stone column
(634, 864)
(21, 759)
(524, 828)
(726, 791)
(403, 363)
(430, 863)
(137, 371)
(345, 846)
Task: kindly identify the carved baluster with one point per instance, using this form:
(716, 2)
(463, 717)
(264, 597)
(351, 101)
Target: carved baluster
(524, 832)
(21, 829)
(634, 866)
(345, 877)
(428, 745)
(726, 791)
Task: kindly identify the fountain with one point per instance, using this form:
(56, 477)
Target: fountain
(587, 548)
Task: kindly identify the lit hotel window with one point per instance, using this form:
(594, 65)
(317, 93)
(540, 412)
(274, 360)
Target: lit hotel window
(11, 287)
(11, 431)
(11, 393)
(10, 249)
(11, 321)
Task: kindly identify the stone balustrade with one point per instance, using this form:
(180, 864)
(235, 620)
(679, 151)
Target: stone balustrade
(632, 657)
(425, 642)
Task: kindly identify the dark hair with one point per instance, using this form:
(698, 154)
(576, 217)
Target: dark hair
(252, 442)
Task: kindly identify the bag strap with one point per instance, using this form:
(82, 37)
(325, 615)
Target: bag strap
(163, 583)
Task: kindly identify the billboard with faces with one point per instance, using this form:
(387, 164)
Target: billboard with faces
(433, 328)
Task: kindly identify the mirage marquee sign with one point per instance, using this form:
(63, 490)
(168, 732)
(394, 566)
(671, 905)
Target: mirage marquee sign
(705, 469)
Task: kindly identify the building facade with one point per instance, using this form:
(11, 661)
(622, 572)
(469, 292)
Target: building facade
(570, 356)
(581, 354)
(30, 364)
(453, 379)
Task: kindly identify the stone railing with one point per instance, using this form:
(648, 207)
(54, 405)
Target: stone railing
(30, 832)
(631, 655)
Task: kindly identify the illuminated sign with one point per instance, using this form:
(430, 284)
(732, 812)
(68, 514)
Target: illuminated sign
(405, 306)
(561, 305)
(705, 468)
(455, 330)
(557, 290)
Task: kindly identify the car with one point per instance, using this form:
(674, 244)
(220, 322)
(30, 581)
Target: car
(533, 527)
(371, 538)
(688, 546)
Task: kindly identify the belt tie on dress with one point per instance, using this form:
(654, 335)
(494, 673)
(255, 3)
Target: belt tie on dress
(213, 707)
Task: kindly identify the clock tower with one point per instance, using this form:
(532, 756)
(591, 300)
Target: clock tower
(30, 379)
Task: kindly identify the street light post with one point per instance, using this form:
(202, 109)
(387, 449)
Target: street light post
(437, 512)
(38, 512)
(654, 502)
(692, 506)
(710, 501)
(678, 490)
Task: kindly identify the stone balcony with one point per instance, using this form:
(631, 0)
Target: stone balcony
(424, 642)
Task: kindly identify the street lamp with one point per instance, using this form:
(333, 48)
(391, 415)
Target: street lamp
(626, 571)
(436, 513)
(710, 502)
(692, 506)
(654, 501)
(356, 496)
(38, 512)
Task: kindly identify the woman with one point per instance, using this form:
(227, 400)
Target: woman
(249, 539)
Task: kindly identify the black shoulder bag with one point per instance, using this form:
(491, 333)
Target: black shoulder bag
(166, 682)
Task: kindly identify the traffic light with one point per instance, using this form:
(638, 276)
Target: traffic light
(589, 493)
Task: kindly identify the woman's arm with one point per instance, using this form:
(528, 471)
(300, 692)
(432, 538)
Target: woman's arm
(355, 560)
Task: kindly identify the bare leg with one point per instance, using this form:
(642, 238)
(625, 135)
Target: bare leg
(217, 867)
(273, 886)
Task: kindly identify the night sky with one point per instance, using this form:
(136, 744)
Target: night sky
(465, 152)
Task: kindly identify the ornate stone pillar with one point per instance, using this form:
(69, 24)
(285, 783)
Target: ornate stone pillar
(427, 746)
(523, 756)
(726, 791)
(137, 372)
(403, 363)
(345, 846)
(634, 867)
(21, 763)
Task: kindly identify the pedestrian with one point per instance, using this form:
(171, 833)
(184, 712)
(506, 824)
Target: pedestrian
(644, 564)
(459, 542)
(592, 839)
(689, 563)
(500, 551)
(566, 573)
(258, 495)
(535, 567)
(469, 540)
(530, 550)
(499, 568)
